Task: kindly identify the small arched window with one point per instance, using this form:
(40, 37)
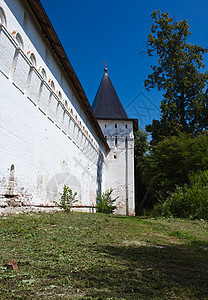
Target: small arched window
(2, 17)
(52, 86)
(60, 95)
(43, 73)
(66, 104)
(116, 141)
(33, 59)
(72, 112)
(19, 40)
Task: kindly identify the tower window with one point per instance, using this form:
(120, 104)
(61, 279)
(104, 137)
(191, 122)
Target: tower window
(105, 125)
(115, 125)
(115, 156)
(126, 126)
(116, 141)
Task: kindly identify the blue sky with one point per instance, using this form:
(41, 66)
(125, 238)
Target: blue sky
(115, 31)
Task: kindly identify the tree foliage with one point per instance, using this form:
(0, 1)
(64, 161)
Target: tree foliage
(178, 74)
(172, 160)
(141, 147)
(189, 201)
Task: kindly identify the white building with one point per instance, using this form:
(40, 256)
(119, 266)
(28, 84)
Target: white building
(49, 135)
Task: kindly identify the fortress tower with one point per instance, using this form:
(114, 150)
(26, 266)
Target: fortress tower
(118, 130)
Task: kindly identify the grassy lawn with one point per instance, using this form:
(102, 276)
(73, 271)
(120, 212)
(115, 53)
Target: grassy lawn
(96, 256)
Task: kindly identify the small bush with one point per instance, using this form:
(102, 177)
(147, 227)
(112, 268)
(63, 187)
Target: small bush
(189, 201)
(67, 199)
(105, 203)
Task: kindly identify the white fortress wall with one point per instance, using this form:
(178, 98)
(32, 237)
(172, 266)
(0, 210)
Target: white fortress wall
(46, 136)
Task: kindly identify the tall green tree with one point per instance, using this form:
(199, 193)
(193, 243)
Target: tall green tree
(178, 74)
(141, 146)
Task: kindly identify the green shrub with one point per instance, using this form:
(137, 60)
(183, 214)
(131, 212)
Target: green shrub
(105, 203)
(189, 201)
(170, 162)
(67, 199)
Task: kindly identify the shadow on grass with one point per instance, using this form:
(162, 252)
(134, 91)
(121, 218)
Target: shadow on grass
(146, 273)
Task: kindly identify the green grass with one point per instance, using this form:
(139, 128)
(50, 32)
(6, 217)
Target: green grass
(96, 256)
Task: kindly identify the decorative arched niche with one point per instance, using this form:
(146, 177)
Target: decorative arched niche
(60, 95)
(43, 73)
(2, 17)
(33, 59)
(19, 41)
(66, 104)
(52, 85)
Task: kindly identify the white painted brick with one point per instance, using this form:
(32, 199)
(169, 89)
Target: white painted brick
(44, 98)
(59, 114)
(7, 51)
(33, 89)
(21, 72)
(66, 120)
(53, 103)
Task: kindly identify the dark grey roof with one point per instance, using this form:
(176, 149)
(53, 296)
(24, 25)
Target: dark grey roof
(107, 104)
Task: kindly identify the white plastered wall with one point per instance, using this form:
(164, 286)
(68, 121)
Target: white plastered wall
(46, 138)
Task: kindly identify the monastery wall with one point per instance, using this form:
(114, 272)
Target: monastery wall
(46, 137)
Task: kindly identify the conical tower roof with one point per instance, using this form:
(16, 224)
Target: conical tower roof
(107, 104)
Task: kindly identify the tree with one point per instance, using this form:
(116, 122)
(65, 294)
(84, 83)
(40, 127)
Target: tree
(172, 160)
(141, 146)
(178, 74)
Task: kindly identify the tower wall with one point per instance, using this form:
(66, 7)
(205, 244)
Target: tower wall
(120, 163)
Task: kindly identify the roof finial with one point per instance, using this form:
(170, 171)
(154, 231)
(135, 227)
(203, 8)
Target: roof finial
(105, 67)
